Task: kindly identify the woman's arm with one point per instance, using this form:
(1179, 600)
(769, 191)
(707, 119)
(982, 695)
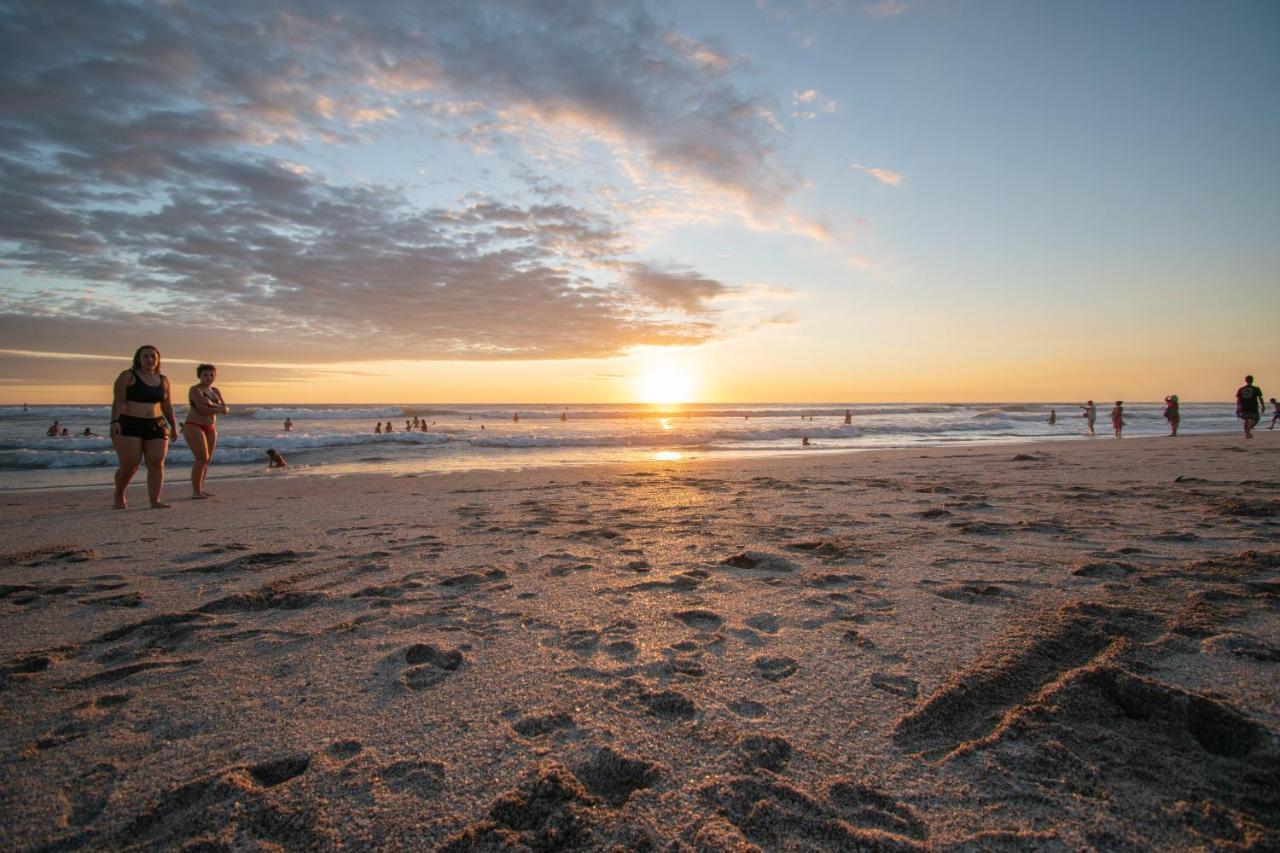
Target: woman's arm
(166, 406)
(200, 402)
(119, 390)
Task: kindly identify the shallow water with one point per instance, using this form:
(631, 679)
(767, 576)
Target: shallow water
(339, 439)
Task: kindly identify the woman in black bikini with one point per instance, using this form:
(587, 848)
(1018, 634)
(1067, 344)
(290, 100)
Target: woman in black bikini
(137, 425)
(201, 427)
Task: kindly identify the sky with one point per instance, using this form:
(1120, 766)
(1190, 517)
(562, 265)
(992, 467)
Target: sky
(575, 201)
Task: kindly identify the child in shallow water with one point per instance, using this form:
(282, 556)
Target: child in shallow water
(275, 460)
(1171, 413)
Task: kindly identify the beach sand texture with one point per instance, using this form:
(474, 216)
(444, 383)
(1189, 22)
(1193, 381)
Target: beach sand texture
(1058, 645)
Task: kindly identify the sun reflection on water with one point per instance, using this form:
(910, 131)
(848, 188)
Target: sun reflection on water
(668, 456)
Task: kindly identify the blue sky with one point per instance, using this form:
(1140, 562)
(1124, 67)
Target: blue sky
(551, 200)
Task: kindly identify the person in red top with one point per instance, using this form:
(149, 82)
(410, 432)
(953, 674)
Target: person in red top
(1249, 405)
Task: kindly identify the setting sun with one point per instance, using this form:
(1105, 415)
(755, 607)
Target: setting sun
(665, 385)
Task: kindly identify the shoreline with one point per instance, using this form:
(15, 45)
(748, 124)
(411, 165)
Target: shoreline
(689, 457)
(1041, 643)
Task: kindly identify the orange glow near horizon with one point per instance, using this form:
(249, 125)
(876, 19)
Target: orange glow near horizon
(666, 382)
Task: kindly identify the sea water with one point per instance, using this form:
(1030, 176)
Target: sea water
(340, 439)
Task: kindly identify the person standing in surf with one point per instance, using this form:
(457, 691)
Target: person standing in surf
(1249, 405)
(201, 427)
(139, 409)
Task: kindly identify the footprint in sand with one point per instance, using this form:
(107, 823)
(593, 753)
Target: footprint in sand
(668, 703)
(622, 650)
(766, 623)
(344, 749)
(898, 685)
(974, 592)
(767, 751)
(428, 665)
(536, 725)
(420, 778)
(703, 620)
(863, 805)
(614, 777)
(1104, 570)
(775, 668)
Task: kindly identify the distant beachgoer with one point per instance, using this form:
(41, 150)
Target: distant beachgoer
(407, 427)
(848, 416)
(1249, 405)
(377, 430)
(1275, 413)
(88, 433)
(276, 460)
(388, 428)
(1117, 418)
(423, 426)
(201, 427)
(1053, 417)
(515, 418)
(139, 409)
(564, 416)
(1090, 415)
(481, 426)
(25, 407)
(53, 429)
(288, 425)
(1172, 414)
(804, 442)
(65, 433)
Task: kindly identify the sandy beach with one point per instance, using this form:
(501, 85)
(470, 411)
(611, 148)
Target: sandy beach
(1056, 645)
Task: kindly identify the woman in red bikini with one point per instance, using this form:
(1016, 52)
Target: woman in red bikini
(139, 410)
(201, 428)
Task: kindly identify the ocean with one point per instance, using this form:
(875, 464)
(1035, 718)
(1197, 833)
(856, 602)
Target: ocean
(340, 439)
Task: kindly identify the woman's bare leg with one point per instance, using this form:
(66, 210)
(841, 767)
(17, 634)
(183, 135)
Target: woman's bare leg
(210, 441)
(155, 451)
(129, 450)
(200, 458)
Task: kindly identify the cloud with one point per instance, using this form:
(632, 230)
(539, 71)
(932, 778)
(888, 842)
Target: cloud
(884, 176)
(680, 290)
(163, 158)
(808, 103)
(886, 8)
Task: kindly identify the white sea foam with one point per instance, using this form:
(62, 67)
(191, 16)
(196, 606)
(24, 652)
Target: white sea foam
(342, 435)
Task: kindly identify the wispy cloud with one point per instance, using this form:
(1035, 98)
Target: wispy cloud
(807, 103)
(885, 176)
(886, 8)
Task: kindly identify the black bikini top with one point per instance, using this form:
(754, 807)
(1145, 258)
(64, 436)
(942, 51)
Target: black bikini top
(141, 392)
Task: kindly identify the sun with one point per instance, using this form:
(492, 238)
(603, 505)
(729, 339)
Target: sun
(665, 385)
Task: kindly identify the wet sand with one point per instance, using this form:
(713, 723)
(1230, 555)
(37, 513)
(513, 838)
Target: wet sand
(1062, 645)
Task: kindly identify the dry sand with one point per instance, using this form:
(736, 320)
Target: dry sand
(1055, 646)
